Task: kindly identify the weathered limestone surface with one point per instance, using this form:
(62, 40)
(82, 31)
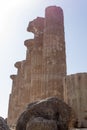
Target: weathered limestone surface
(75, 94)
(3, 124)
(48, 114)
(20, 91)
(54, 58)
(40, 75)
(43, 73)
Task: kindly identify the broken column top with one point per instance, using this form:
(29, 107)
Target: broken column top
(53, 17)
(36, 26)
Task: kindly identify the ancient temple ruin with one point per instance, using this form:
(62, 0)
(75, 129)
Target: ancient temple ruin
(43, 73)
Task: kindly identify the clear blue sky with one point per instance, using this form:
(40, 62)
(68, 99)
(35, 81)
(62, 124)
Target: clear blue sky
(14, 18)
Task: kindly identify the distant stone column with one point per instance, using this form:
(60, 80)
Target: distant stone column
(36, 26)
(19, 97)
(54, 57)
(13, 101)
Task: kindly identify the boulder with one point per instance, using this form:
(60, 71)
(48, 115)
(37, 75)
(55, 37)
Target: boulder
(3, 124)
(48, 114)
(40, 123)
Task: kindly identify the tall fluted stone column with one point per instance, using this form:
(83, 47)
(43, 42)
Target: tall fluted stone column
(40, 74)
(54, 57)
(19, 97)
(75, 95)
(36, 26)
